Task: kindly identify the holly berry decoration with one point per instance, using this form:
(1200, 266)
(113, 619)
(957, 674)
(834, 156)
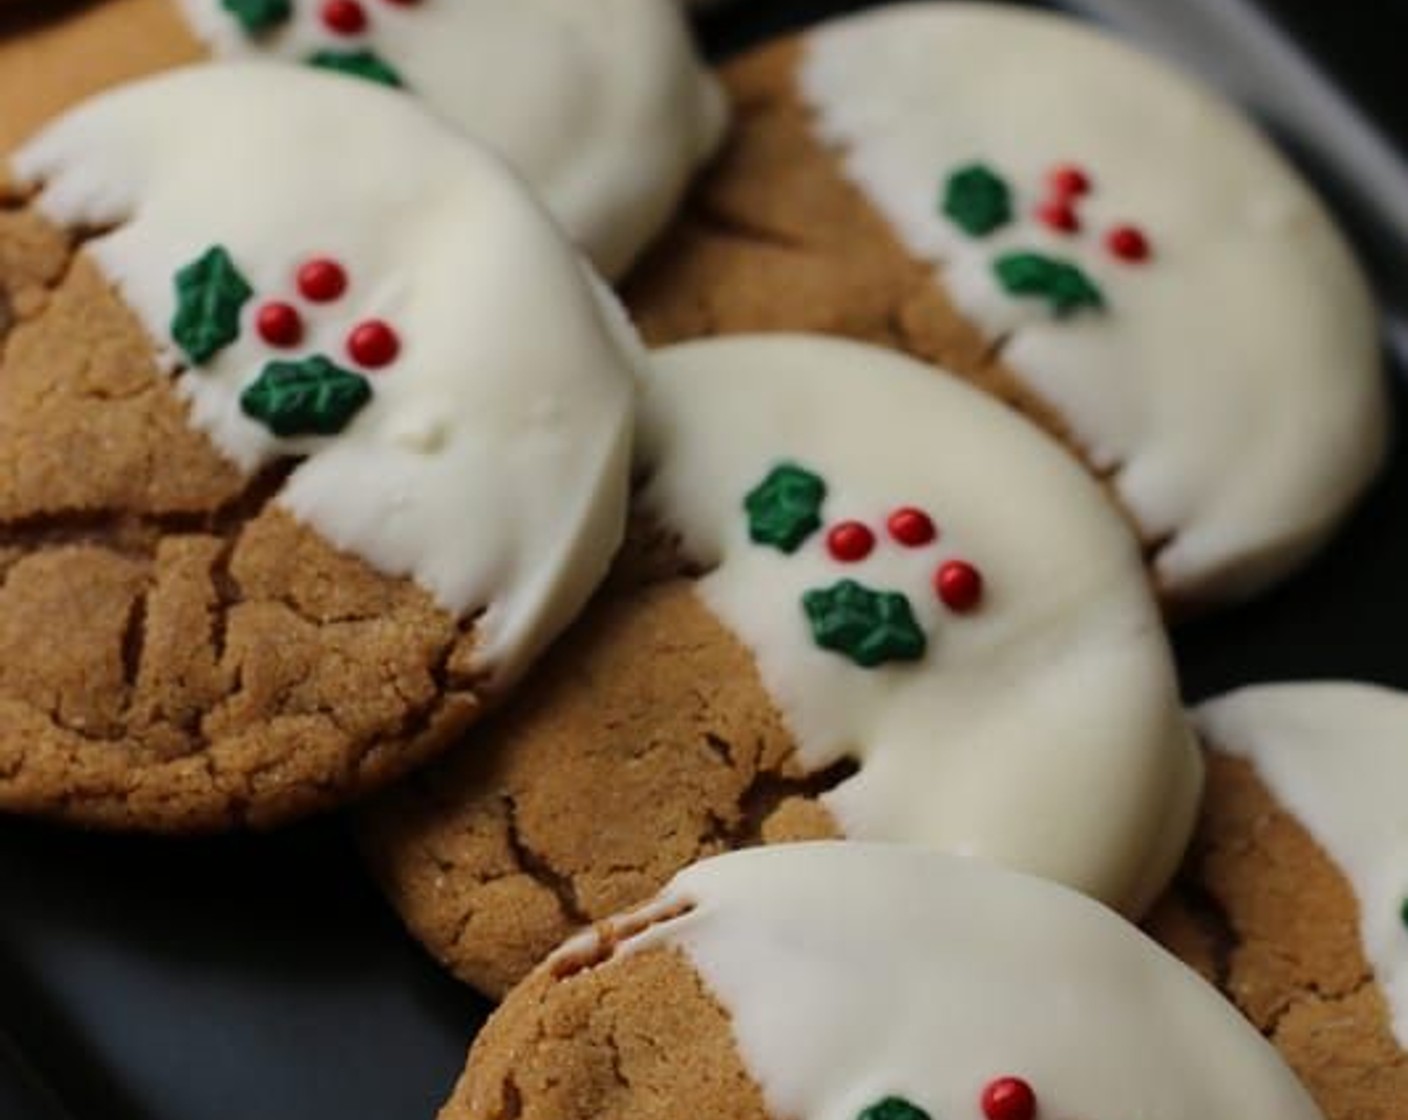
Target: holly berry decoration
(959, 585)
(870, 627)
(1009, 1098)
(313, 397)
(894, 1108)
(785, 508)
(850, 542)
(341, 21)
(210, 294)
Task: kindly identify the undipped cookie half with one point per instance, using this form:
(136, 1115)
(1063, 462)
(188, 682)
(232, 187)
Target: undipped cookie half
(871, 603)
(1077, 229)
(602, 106)
(292, 479)
(1295, 897)
(862, 982)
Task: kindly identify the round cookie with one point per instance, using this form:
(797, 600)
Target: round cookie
(861, 600)
(603, 107)
(862, 982)
(292, 482)
(1295, 897)
(1075, 228)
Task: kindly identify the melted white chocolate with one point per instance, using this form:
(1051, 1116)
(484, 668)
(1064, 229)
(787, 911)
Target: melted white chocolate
(1043, 730)
(491, 464)
(1335, 755)
(1232, 383)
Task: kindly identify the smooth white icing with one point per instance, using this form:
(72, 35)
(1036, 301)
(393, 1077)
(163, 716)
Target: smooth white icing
(604, 107)
(492, 464)
(1233, 384)
(1044, 730)
(854, 972)
(1336, 756)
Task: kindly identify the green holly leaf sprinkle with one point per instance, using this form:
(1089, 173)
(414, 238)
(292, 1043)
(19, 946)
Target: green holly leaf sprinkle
(785, 509)
(869, 627)
(210, 293)
(1060, 283)
(894, 1108)
(308, 398)
(977, 200)
(257, 17)
(367, 65)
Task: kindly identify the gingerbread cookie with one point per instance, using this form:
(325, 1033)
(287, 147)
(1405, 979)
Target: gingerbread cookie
(1073, 227)
(1295, 898)
(864, 600)
(603, 107)
(291, 483)
(863, 982)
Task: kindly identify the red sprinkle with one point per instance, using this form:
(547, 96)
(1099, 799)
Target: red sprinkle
(959, 585)
(1059, 215)
(1009, 1098)
(1128, 243)
(373, 344)
(1068, 181)
(850, 542)
(912, 527)
(322, 280)
(280, 325)
(344, 17)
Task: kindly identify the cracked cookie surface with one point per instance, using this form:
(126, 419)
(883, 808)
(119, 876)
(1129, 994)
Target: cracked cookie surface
(1263, 913)
(176, 653)
(698, 707)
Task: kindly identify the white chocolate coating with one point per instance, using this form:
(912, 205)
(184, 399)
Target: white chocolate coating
(855, 972)
(1042, 731)
(1335, 755)
(604, 106)
(1233, 382)
(492, 464)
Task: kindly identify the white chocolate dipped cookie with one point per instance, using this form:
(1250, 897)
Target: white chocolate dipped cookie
(1078, 229)
(1295, 897)
(603, 107)
(862, 600)
(283, 442)
(860, 982)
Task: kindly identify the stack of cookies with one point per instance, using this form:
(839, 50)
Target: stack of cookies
(756, 676)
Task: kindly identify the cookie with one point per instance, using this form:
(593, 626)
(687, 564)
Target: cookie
(863, 982)
(604, 108)
(292, 483)
(1073, 227)
(1295, 897)
(861, 600)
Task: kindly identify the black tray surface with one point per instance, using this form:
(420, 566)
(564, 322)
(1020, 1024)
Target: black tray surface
(264, 977)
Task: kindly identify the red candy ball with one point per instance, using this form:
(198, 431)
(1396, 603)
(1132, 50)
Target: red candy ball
(912, 527)
(373, 344)
(1068, 181)
(959, 585)
(344, 17)
(322, 280)
(1060, 216)
(1128, 243)
(850, 542)
(280, 325)
(1009, 1098)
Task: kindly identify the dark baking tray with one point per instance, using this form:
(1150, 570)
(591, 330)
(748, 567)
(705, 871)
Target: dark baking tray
(262, 977)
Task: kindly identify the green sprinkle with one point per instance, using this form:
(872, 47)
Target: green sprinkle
(210, 293)
(257, 17)
(977, 200)
(785, 508)
(869, 627)
(367, 65)
(308, 398)
(1062, 284)
(893, 1108)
